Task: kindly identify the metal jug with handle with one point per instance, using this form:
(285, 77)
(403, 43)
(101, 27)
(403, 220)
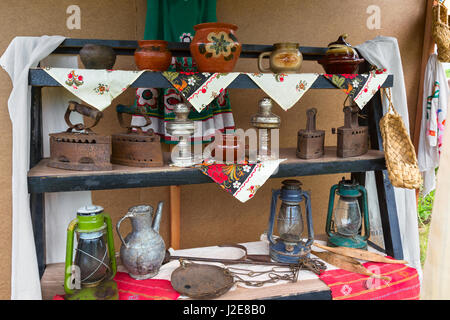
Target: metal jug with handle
(142, 251)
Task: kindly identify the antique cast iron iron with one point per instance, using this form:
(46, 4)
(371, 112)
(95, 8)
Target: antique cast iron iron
(265, 121)
(310, 143)
(290, 247)
(344, 221)
(352, 139)
(83, 150)
(136, 148)
(90, 275)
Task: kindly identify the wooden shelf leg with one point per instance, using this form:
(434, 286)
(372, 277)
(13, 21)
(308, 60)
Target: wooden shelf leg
(37, 200)
(175, 216)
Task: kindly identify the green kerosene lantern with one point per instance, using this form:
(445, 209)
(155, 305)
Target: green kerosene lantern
(90, 275)
(344, 220)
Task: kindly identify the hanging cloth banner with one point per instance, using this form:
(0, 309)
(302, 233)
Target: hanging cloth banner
(360, 87)
(241, 180)
(200, 88)
(284, 89)
(97, 88)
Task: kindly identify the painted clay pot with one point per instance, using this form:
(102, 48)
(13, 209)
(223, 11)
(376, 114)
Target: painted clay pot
(96, 56)
(153, 55)
(215, 47)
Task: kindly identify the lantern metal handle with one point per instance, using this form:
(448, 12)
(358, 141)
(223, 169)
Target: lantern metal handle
(330, 209)
(273, 207)
(69, 256)
(308, 219)
(111, 249)
(365, 212)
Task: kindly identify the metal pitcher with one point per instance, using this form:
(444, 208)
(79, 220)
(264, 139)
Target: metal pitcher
(142, 251)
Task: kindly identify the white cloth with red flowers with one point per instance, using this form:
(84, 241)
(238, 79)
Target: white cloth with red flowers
(97, 88)
(284, 89)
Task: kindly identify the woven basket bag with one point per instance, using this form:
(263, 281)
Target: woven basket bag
(401, 160)
(441, 32)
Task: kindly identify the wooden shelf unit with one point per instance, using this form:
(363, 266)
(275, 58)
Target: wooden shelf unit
(42, 179)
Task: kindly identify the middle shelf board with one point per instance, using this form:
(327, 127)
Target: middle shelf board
(40, 78)
(42, 178)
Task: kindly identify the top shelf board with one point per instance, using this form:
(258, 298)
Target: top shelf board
(149, 79)
(178, 49)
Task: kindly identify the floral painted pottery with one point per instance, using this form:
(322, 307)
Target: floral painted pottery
(153, 55)
(215, 47)
(96, 56)
(341, 58)
(285, 58)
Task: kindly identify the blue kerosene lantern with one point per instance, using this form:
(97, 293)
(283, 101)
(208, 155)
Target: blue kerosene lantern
(289, 246)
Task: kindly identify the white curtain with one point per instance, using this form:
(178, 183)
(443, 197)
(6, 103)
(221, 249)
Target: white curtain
(384, 53)
(22, 54)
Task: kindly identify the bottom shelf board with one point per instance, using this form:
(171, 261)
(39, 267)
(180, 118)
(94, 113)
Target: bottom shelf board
(42, 178)
(53, 279)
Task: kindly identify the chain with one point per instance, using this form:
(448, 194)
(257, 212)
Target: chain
(275, 274)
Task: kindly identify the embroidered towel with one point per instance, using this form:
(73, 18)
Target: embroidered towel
(200, 88)
(241, 180)
(95, 87)
(345, 285)
(360, 87)
(285, 89)
(149, 289)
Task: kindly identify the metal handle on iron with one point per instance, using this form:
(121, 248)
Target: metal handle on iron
(128, 215)
(84, 110)
(365, 212)
(273, 208)
(308, 218)
(120, 109)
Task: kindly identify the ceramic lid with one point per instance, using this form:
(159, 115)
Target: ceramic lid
(341, 49)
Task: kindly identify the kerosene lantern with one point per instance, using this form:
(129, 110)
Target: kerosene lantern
(89, 276)
(183, 128)
(344, 220)
(265, 121)
(290, 246)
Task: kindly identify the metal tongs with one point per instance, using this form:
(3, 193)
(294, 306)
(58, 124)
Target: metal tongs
(255, 259)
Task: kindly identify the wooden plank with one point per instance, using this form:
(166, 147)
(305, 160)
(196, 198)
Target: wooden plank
(40, 78)
(178, 49)
(37, 200)
(53, 280)
(42, 178)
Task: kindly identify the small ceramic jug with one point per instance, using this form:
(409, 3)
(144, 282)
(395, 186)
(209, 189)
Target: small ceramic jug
(285, 58)
(143, 250)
